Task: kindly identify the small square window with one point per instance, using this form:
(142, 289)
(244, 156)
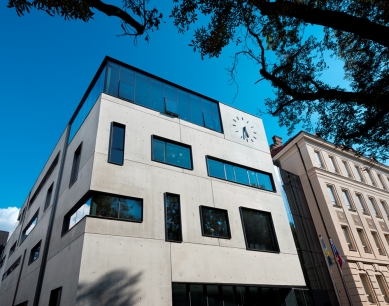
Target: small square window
(171, 107)
(34, 255)
(214, 222)
(259, 230)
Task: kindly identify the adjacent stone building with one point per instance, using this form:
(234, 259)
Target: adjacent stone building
(348, 200)
(154, 195)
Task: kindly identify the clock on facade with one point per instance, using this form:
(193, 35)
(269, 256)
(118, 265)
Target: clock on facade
(244, 129)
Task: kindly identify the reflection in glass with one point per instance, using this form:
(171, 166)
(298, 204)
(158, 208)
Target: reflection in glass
(171, 106)
(229, 172)
(258, 230)
(80, 213)
(214, 298)
(180, 295)
(156, 96)
(197, 296)
(209, 121)
(34, 255)
(30, 227)
(170, 153)
(126, 91)
(173, 218)
(215, 222)
(142, 90)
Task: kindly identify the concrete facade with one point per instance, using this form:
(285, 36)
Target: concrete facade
(359, 231)
(103, 261)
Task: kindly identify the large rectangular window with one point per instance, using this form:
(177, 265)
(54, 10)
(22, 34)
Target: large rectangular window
(318, 159)
(214, 222)
(116, 144)
(48, 197)
(333, 164)
(239, 174)
(374, 207)
(107, 206)
(12, 268)
(347, 199)
(12, 249)
(55, 297)
(173, 217)
(34, 254)
(76, 165)
(383, 287)
(346, 169)
(378, 243)
(171, 152)
(385, 208)
(30, 226)
(361, 204)
(360, 175)
(258, 230)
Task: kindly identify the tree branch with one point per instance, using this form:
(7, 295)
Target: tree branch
(341, 21)
(111, 10)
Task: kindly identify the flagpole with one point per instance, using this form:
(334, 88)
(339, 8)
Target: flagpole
(341, 273)
(332, 276)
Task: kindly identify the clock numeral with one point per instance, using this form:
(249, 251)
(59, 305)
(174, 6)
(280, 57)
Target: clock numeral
(237, 117)
(247, 122)
(252, 140)
(234, 120)
(234, 125)
(254, 132)
(252, 127)
(255, 137)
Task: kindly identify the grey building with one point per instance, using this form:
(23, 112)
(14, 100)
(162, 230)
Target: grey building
(3, 240)
(154, 195)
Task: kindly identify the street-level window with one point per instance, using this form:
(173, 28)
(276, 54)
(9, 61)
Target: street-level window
(116, 144)
(259, 230)
(367, 288)
(332, 195)
(214, 222)
(347, 199)
(34, 254)
(55, 297)
(239, 174)
(383, 287)
(171, 152)
(76, 165)
(173, 217)
(363, 240)
(104, 205)
(348, 238)
(30, 226)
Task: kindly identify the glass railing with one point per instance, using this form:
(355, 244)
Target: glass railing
(136, 87)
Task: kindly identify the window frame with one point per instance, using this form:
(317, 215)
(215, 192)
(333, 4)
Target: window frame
(371, 177)
(334, 194)
(347, 169)
(34, 217)
(83, 200)
(48, 202)
(385, 207)
(351, 245)
(113, 123)
(383, 287)
(12, 249)
(166, 194)
(58, 300)
(346, 193)
(177, 143)
(362, 202)
(272, 227)
(74, 171)
(362, 179)
(319, 159)
(30, 259)
(333, 163)
(376, 209)
(378, 243)
(382, 181)
(202, 222)
(11, 268)
(362, 237)
(240, 166)
(368, 287)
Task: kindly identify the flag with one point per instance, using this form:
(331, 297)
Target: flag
(339, 258)
(326, 252)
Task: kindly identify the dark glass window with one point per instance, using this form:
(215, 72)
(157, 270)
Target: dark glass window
(12, 249)
(172, 153)
(173, 217)
(116, 144)
(171, 107)
(180, 294)
(105, 205)
(12, 268)
(2, 261)
(76, 165)
(22, 304)
(126, 91)
(231, 172)
(214, 222)
(55, 297)
(35, 252)
(30, 226)
(258, 230)
(48, 196)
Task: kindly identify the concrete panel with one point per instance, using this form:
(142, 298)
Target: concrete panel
(199, 263)
(124, 271)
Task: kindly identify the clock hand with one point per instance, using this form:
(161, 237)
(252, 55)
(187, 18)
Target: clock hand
(245, 132)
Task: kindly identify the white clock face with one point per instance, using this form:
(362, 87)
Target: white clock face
(244, 129)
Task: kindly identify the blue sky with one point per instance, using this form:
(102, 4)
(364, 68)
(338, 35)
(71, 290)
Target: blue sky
(47, 64)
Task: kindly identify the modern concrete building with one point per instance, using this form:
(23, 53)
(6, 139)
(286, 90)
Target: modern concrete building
(348, 200)
(154, 195)
(3, 240)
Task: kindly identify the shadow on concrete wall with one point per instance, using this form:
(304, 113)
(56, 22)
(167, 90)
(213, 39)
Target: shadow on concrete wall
(116, 288)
